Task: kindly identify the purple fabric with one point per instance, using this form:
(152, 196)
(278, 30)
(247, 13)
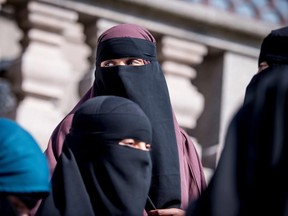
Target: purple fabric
(191, 170)
(127, 30)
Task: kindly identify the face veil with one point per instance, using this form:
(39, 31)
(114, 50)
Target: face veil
(146, 86)
(95, 175)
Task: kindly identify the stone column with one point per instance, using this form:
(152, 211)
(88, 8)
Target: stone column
(93, 28)
(49, 67)
(209, 81)
(90, 30)
(179, 56)
(178, 59)
(222, 81)
(2, 2)
(10, 63)
(235, 81)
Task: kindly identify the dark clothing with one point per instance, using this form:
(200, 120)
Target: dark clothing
(251, 178)
(273, 51)
(95, 175)
(274, 47)
(146, 86)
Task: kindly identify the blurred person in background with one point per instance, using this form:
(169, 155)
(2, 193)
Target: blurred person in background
(24, 171)
(8, 101)
(273, 52)
(251, 176)
(11, 92)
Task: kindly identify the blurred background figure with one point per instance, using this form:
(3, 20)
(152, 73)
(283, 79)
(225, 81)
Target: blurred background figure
(11, 91)
(8, 101)
(274, 48)
(273, 52)
(251, 177)
(24, 173)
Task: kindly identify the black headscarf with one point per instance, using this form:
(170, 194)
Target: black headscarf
(96, 175)
(274, 47)
(251, 176)
(146, 86)
(273, 51)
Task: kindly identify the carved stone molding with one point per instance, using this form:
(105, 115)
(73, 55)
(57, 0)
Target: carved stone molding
(179, 56)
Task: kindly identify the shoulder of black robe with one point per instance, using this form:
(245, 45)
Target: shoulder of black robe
(68, 195)
(250, 178)
(251, 87)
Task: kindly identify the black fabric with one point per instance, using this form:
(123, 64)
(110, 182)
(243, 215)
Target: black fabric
(31, 199)
(251, 87)
(96, 175)
(274, 47)
(7, 208)
(68, 196)
(273, 51)
(125, 47)
(251, 177)
(146, 86)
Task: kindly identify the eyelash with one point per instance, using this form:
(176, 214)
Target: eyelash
(128, 62)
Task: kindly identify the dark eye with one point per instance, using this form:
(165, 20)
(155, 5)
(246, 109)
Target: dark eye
(148, 146)
(127, 142)
(108, 63)
(135, 62)
(130, 143)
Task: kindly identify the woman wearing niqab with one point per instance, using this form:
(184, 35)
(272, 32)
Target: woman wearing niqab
(273, 51)
(95, 175)
(173, 154)
(251, 176)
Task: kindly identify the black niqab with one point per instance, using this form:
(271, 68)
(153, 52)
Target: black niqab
(274, 47)
(251, 176)
(96, 175)
(146, 86)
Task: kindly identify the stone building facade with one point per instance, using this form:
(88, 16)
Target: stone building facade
(47, 49)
